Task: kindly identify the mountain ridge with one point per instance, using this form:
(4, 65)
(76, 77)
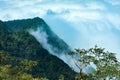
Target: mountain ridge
(26, 24)
(20, 43)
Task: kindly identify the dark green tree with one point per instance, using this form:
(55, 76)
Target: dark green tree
(18, 71)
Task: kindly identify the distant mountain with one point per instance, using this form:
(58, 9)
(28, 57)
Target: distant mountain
(16, 39)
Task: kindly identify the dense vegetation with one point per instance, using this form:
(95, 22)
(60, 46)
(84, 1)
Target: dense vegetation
(22, 57)
(35, 23)
(20, 44)
(16, 71)
(106, 65)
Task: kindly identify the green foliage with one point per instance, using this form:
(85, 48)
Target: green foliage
(15, 39)
(28, 64)
(10, 72)
(4, 57)
(107, 65)
(35, 23)
(61, 77)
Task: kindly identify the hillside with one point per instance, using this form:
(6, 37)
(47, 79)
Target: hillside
(35, 23)
(15, 39)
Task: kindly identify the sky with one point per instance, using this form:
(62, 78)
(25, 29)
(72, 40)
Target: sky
(80, 23)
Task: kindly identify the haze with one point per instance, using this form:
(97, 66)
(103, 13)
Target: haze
(80, 23)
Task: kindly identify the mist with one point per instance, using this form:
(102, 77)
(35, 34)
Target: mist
(42, 37)
(80, 23)
(86, 33)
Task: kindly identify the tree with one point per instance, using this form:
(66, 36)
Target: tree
(18, 71)
(61, 77)
(4, 57)
(107, 65)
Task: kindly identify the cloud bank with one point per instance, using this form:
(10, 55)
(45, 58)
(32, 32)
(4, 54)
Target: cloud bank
(42, 37)
(81, 23)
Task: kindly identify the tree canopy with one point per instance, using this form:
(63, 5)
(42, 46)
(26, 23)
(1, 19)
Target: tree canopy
(106, 64)
(17, 72)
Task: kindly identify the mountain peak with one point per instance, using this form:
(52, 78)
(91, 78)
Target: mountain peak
(38, 24)
(16, 39)
(30, 23)
(37, 18)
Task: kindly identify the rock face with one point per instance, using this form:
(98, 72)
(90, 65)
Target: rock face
(17, 39)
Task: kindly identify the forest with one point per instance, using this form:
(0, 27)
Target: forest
(22, 57)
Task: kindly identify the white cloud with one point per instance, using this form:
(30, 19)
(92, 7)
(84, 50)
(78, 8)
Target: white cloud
(113, 2)
(95, 21)
(114, 19)
(83, 15)
(96, 6)
(42, 37)
(39, 7)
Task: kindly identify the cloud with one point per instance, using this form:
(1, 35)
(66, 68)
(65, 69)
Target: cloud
(114, 19)
(81, 23)
(113, 2)
(39, 7)
(42, 37)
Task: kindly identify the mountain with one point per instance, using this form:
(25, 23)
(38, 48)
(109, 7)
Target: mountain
(35, 23)
(17, 39)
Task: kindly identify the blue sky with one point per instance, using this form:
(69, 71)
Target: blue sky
(81, 23)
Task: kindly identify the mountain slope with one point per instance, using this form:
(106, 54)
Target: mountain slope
(35, 23)
(15, 39)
